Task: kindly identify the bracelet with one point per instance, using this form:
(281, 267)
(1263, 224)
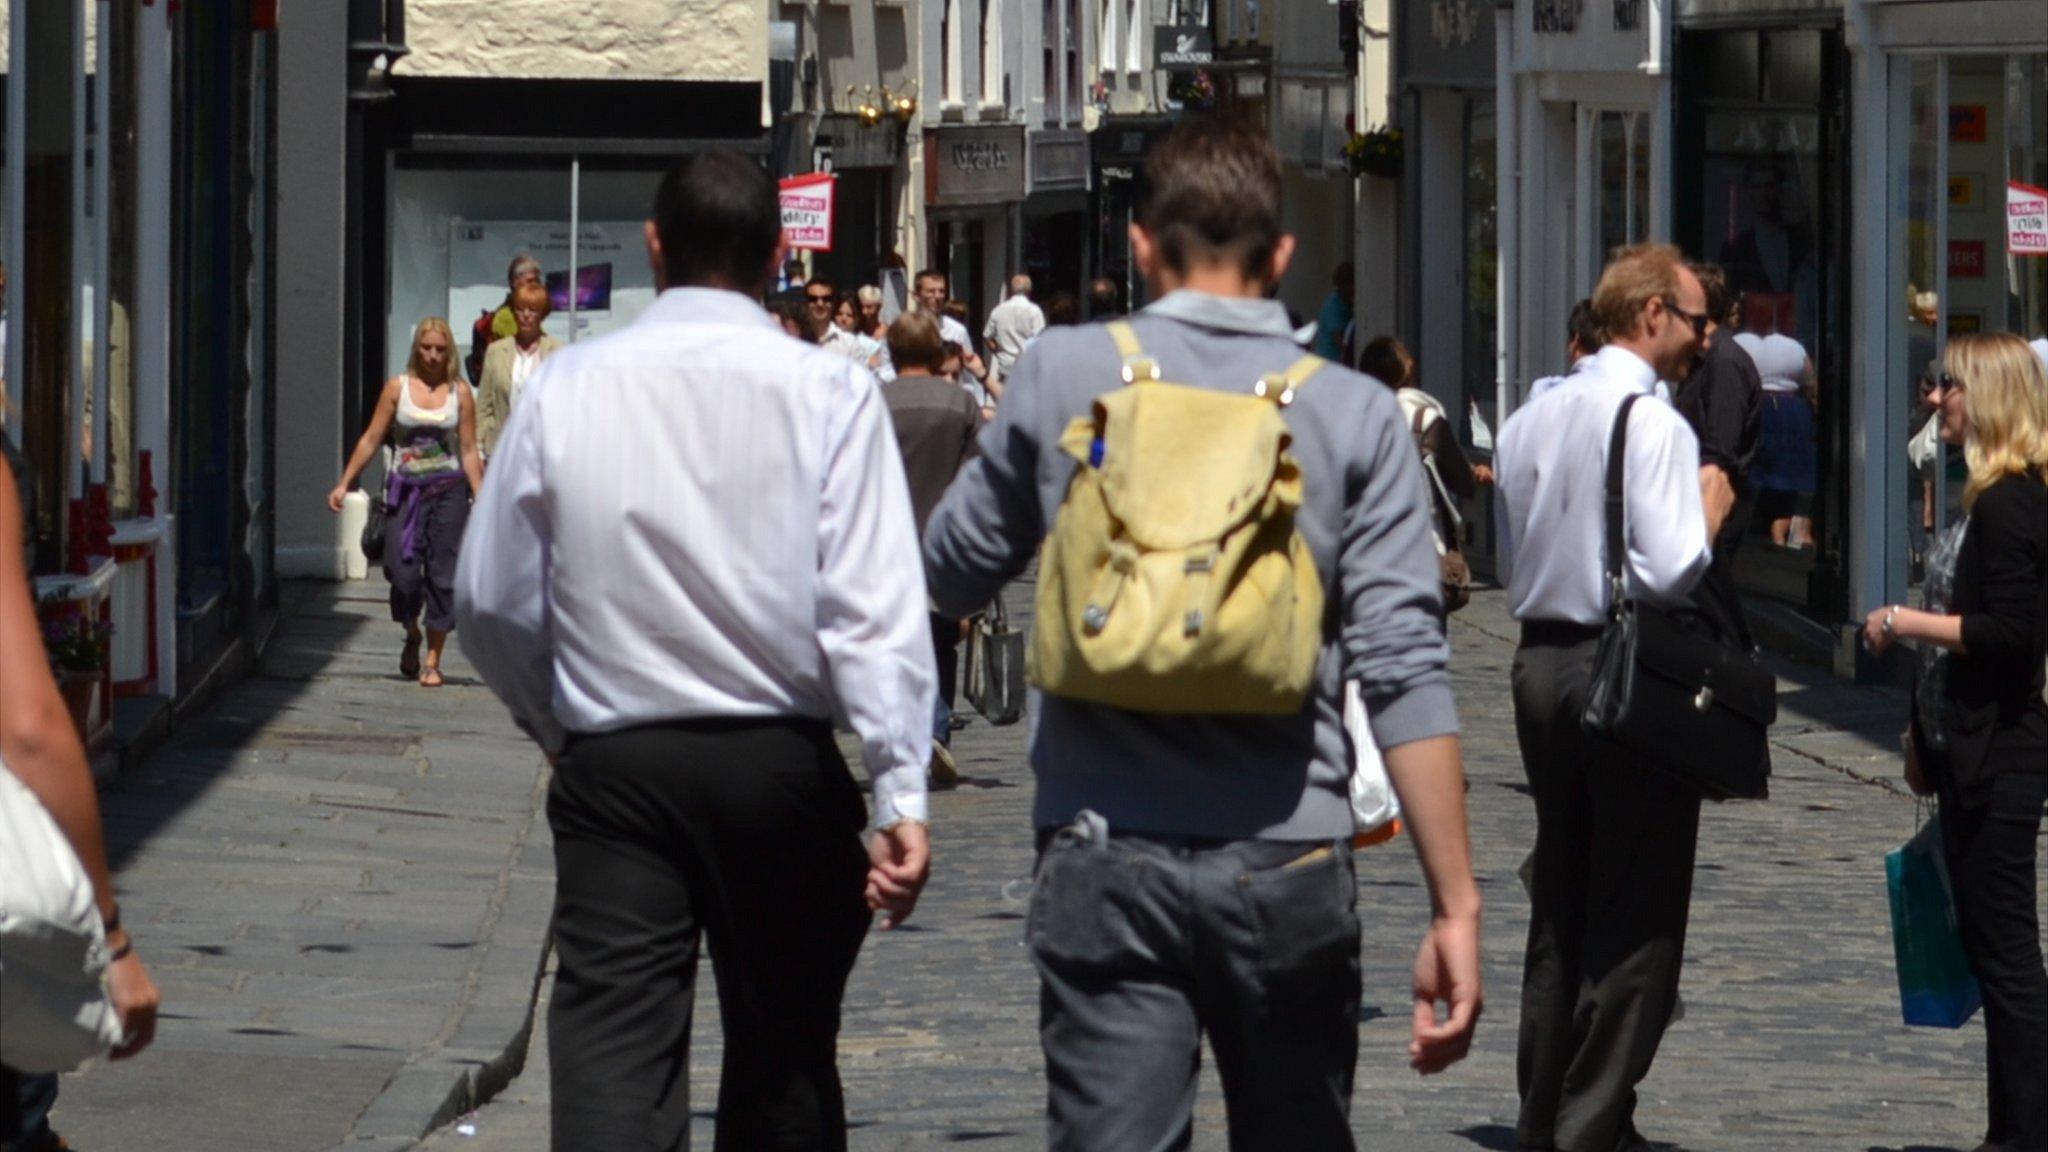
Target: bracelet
(1886, 625)
(126, 950)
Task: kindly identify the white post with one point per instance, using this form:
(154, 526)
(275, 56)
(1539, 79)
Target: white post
(575, 234)
(150, 327)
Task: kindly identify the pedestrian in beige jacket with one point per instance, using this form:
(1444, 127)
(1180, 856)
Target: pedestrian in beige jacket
(509, 361)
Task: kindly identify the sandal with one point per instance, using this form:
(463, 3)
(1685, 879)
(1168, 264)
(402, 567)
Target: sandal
(430, 677)
(409, 656)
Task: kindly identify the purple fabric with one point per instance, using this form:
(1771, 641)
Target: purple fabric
(408, 497)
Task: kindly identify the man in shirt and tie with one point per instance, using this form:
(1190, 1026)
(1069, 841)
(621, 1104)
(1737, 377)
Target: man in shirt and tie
(695, 551)
(1614, 839)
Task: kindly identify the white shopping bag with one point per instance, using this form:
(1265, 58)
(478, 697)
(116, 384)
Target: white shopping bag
(1374, 807)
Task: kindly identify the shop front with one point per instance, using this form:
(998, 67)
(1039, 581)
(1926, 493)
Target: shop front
(1761, 188)
(1056, 216)
(1117, 153)
(1445, 62)
(975, 181)
(869, 160)
(477, 171)
(135, 317)
(1584, 111)
(1951, 149)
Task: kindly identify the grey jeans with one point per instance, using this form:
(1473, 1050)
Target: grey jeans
(1144, 943)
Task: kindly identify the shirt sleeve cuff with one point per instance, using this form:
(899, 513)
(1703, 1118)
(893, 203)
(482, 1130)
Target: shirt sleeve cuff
(1411, 714)
(900, 795)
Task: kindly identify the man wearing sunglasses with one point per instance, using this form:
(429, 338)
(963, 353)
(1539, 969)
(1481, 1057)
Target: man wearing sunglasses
(1722, 399)
(1612, 880)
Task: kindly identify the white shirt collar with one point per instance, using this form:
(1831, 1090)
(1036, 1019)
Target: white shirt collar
(1624, 367)
(708, 306)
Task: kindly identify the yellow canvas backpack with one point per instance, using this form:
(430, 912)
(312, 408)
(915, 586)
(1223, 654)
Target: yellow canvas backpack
(1173, 579)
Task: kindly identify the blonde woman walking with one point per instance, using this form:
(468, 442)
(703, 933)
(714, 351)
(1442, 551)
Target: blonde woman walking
(429, 414)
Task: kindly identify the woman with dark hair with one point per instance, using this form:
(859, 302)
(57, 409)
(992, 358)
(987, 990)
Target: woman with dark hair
(429, 413)
(1979, 732)
(1453, 479)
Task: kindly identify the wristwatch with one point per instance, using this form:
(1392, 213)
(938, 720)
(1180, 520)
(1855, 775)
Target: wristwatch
(1886, 624)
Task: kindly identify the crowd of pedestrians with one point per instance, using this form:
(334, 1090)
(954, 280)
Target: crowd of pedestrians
(699, 543)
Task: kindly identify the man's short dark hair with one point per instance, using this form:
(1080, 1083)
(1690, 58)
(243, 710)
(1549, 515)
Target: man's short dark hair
(925, 274)
(719, 220)
(1583, 329)
(1102, 295)
(1210, 193)
(1715, 282)
(824, 282)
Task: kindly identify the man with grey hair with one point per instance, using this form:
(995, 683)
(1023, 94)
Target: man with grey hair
(497, 323)
(1011, 327)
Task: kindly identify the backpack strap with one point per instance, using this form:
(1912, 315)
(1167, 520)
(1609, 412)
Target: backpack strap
(1280, 387)
(1137, 365)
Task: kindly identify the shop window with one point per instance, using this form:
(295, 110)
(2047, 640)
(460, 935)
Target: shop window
(1621, 182)
(1976, 133)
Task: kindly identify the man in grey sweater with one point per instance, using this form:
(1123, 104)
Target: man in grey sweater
(1194, 872)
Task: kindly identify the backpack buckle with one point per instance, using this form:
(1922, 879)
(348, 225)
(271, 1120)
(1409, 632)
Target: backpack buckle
(1274, 388)
(1140, 368)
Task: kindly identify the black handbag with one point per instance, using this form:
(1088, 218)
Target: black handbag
(374, 529)
(1673, 687)
(995, 667)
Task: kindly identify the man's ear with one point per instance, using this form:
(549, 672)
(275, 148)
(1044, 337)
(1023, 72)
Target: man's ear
(1145, 254)
(1283, 255)
(775, 263)
(654, 257)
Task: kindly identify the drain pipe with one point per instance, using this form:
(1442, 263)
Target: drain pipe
(376, 40)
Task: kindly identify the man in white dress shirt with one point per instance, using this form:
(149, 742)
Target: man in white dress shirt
(696, 549)
(1615, 839)
(1012, 326)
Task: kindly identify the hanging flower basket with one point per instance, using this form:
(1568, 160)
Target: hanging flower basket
(1194, 91)
(1376, 152)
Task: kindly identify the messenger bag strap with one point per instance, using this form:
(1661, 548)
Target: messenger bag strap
(1137, 365)
(1617, 458)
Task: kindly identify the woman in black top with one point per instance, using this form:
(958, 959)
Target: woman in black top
(1979, 737)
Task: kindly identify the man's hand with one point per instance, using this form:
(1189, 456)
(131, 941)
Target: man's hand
(1482, 474)
(1447, 972)
(901, 858)
(135, 998)
(1717, 498)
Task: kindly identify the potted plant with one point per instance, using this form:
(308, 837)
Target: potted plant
(1193, 91)
(1375, 152)
(77, 644)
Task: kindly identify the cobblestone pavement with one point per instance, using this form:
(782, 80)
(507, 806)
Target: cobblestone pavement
(1791, 1038)
(340, 883)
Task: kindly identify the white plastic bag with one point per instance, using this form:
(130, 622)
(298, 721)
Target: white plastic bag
(53, 948)
(1373, 803)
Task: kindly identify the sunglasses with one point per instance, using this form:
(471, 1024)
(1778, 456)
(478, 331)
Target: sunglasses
(1698, 320)
(815, 299)
(1930, 384)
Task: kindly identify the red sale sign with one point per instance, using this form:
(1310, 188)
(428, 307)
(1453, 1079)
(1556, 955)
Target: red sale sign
(807, 211)
(2026, 219)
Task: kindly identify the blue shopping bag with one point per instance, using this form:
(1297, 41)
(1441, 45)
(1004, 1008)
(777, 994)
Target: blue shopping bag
(1936, 987)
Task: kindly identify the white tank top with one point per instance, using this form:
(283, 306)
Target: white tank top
(428, 440)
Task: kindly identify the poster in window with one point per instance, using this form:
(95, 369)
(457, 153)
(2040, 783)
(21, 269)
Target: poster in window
(1966, 259)
(612, 283)
(1968, 123)
(1966, 192)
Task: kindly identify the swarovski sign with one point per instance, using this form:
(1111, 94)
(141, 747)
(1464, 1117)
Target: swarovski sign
(1182, 47)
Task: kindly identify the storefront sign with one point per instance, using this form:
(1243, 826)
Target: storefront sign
(974, 167)
(1966, 259)
(856, 145)
(807, 211)
(2026, 219)
(1059, 161)
(1183, 47)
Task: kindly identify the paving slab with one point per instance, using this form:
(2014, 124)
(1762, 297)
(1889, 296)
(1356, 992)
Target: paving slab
(342, 885)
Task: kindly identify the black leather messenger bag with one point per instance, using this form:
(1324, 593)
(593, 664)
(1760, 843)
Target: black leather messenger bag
(1672, 686)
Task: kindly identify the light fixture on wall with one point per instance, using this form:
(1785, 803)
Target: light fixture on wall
(870, 113)
(904, 105)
